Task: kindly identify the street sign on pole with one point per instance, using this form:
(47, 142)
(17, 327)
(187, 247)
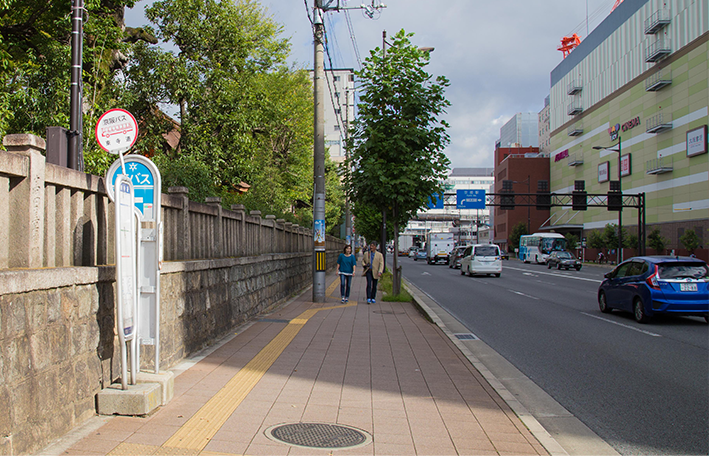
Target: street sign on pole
(116, 131)
(470, 199)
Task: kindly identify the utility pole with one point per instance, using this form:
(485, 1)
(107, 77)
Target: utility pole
(383, 235)
(319, 265)
(75, 158)
(348, 221)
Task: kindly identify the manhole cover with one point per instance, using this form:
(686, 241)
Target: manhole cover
(318, 435)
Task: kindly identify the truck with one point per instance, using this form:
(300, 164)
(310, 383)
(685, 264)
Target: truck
(438, 246)
(404, 243)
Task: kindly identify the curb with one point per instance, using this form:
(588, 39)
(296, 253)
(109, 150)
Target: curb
(540, 433)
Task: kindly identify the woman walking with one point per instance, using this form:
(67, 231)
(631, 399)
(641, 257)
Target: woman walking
(346, 269)
(374, 265)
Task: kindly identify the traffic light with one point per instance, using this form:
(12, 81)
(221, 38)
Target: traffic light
(507, 200)
(543, 199)
(579, 196)
(614, 197)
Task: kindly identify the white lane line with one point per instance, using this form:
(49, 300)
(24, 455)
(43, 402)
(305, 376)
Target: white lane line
(557, 275)
(621, 324)
(523, 294)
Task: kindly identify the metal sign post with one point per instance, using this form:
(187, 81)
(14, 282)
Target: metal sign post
(125, 234)
(146, 181)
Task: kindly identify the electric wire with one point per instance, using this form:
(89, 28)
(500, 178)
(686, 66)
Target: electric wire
(338, 114)
(601, 10)
(351, 30)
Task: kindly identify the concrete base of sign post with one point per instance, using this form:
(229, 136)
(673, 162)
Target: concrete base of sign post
(140, 399)
(166, 380)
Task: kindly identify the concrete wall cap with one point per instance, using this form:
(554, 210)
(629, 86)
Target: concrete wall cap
(178, 190)
(24, 139)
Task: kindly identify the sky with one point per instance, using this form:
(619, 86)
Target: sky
(497, 54)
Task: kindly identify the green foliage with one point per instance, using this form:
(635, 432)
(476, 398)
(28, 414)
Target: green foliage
(397, 141)
(690, 240)
(368, 222)
(186, 171)
(572, 241)
(385, 284)
(631, 241)
(519, 229)
(656, 241)
(611, 237)
(596, 240)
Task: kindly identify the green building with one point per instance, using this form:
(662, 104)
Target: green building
(638, 83)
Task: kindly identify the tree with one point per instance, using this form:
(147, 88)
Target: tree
(519, 229)
(397, 141)
(595, 240)
(572, 241)
(611, 237)
(690, 240)
(656, 241)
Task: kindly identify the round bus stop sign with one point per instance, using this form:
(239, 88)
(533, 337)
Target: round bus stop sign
(116, 131)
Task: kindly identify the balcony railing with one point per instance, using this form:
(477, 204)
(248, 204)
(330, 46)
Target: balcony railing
(658, 81)
(574, 87)
(574, 108)
(659, 165)
(659, 123)
(575, 160)
(657, 21)
(575, 130)
(658, 49)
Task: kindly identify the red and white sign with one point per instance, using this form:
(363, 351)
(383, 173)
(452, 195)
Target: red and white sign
(116, 131)
(603, 172)
(625, 165)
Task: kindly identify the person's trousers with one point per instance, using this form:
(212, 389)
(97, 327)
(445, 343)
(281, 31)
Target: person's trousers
(345, 281)
(371, 290)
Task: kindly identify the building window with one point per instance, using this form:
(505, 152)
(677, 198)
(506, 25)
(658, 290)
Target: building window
(336, 128)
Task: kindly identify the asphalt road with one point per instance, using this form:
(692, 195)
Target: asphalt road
(641, 388)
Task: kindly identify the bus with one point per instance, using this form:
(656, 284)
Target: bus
(537, 247)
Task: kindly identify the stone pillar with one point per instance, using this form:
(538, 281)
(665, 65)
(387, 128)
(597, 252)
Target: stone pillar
(241, 210)
(183, 247)
(218, 244)
(27, 203)
(281, 238)
(256, 243)
(271, 248)
(288, 236)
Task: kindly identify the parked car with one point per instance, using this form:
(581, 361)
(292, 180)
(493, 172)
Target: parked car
(482, 259)
(420, 255)
(562, 259)
(455, 257)
(656, 284)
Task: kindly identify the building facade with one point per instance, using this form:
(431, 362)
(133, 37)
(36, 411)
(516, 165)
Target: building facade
(466, 224)
(520, 131)
(543, 125)
(637, 85)
(338, 109)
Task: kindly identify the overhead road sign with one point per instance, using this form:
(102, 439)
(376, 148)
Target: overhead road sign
(470, 199)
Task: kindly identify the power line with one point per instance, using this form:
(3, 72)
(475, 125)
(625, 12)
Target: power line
(338, 115)
(352, 38)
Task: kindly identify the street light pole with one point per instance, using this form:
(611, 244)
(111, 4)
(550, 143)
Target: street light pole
(619, 252)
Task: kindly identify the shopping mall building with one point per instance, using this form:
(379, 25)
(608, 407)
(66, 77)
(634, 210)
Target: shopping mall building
(638, 85)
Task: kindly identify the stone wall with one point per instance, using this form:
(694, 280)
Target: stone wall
(58, 346)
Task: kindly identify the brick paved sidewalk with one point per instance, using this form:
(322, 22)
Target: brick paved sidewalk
(381, 369)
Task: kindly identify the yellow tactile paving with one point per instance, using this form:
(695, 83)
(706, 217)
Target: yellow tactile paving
(203, 425)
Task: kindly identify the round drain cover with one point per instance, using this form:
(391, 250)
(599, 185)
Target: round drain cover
(318, 435)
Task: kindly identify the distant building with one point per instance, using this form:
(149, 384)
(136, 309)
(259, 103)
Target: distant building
(640, 78)
(464, 223)
(338, 108)
(520, 131)
(524, 172)
(543, 125)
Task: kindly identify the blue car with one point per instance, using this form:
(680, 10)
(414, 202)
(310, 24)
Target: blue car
(420, 255)
(656, 284)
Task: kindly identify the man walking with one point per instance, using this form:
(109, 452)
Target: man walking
(373, 264)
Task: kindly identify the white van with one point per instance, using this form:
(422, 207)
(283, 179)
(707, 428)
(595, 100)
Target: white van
(482, 259)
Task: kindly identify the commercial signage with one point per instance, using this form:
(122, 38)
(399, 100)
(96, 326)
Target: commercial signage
(319, 234)
(614, 131)
(696, 141)
(603, 172)
(561, 155)
(470, 199)
(625, 165)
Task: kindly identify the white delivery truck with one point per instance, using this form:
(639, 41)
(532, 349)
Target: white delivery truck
(438, 246)
(404, 243)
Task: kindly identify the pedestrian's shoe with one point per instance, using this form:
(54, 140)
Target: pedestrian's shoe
(346, 299)
(342, 299)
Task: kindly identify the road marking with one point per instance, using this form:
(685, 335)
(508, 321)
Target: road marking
(523, 294)
(529, 274)
(621, 324)
(557, 275)
(425, 273)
